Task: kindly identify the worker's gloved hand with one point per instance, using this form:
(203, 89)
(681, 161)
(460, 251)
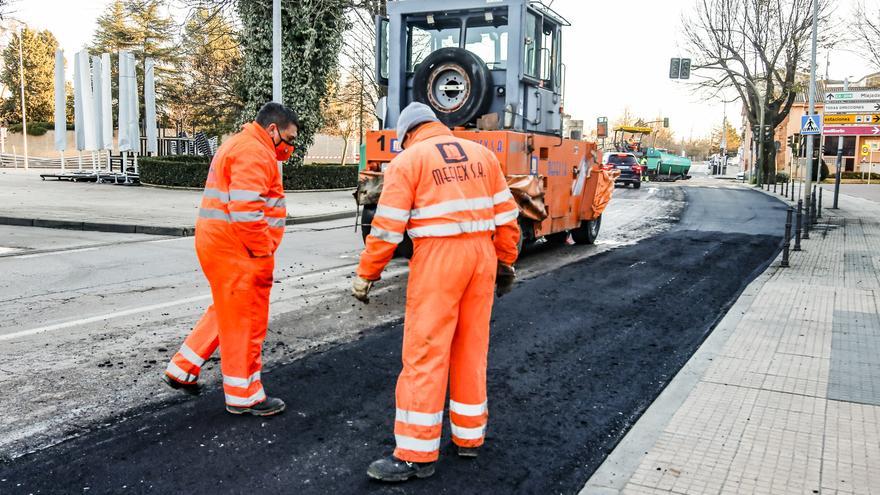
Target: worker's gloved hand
(360, 289)
(504, 279)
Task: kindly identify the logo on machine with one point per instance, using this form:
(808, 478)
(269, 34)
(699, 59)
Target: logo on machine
(452, 152)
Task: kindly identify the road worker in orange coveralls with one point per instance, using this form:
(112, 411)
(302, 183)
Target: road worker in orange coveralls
(451, 197)
(240, 225)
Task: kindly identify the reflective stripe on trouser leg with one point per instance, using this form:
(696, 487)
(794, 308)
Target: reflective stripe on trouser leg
(468, 412)
(429, 326)
(240, 287)
(186, 365)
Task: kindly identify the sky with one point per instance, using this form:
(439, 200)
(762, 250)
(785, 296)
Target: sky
(616, 53)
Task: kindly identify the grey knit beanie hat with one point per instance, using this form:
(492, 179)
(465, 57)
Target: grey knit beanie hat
(414, 114)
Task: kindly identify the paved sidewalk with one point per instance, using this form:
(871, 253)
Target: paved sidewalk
(784, 396)
(25, 199)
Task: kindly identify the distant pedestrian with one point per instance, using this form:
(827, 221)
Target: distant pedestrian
(240, 225)
(451, 196)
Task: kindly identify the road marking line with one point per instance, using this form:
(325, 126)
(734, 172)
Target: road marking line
(49, 253)
(107, 316)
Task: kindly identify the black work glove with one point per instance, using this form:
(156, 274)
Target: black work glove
(504, 279)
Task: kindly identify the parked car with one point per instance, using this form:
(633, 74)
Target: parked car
(628, 165)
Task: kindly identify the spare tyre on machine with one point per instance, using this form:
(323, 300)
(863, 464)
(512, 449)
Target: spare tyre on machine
(456, 84)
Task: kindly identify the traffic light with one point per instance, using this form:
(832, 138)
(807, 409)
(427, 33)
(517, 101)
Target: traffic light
(755, 132)
(665, 121)
(790, 141)
(685, 69)
(768, 132)
(675, 68)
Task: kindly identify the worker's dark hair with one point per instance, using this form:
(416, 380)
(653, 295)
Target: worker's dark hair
(278, 114)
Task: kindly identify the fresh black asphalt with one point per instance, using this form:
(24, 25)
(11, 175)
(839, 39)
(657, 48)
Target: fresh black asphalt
(576, 356)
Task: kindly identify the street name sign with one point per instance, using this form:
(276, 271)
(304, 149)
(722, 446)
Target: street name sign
(852, 95)
(852, 130)
(864, 107)
(850, 118)
(810, 125)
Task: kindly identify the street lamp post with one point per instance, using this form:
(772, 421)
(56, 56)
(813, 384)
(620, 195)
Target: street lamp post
(23, 109)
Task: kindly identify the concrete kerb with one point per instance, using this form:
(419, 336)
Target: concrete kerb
(617, 469)
(286, 191)
(122, 228)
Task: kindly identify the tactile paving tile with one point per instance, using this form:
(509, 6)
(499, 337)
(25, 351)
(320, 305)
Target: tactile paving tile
(855, 346)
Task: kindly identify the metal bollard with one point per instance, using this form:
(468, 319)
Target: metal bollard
(787, 240)
(798, 225)
(819, 212)
(813, 208)
(774, 187)
(805, 221)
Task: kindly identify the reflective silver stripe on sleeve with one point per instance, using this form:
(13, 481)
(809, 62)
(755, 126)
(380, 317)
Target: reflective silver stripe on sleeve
(384, 235)
(448, 207)
(216, 194)
(468, 409)
(392, 213)
(245, 195)
(418, 418)
(468, 433)
(276, 203)
(502, 197)
(246, 216)
(179, 374)
(191, 356)
(417, 445)
(276, 221)
(213, 214)
(233, 400)
(234, 381)
(506, 217)
(453, 229)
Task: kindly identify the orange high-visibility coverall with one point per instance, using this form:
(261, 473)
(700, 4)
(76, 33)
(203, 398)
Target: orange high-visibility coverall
(241, 222)
(450, 195)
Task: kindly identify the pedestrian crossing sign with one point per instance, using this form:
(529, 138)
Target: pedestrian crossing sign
(810, 125)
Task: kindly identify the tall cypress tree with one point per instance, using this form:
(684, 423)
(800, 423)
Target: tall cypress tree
(144, 28)
(38, 51)
(311, 39)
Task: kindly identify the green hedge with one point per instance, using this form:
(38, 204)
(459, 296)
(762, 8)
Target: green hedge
(857, 175)
(37, 128)
(191, 171)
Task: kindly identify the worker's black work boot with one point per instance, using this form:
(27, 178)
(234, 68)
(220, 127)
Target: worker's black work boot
(469, 452)
(393, 469)
(189, 388)
(269, 407)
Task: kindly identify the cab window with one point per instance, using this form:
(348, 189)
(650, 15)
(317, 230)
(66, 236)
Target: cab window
(488, 39)
(532, 45)
(425, 39)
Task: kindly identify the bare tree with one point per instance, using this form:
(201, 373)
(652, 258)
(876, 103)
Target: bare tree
(759, 49)
(867, 22)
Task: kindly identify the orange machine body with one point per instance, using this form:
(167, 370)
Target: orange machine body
(576, 188)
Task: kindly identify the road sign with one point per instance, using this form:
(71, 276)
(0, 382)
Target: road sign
(810, 125)
(851, 118)
(852, 95)
(865, 150)
(865, 107)
(852, 130)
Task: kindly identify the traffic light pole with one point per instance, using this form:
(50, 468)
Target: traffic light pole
(808, 183)
(839, 158)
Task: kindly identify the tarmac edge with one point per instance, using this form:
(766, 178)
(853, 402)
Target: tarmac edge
(617, 469)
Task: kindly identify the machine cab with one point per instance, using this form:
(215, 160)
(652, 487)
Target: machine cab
(497, 66)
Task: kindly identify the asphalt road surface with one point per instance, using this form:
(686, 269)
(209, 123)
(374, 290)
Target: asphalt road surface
(579, 349)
